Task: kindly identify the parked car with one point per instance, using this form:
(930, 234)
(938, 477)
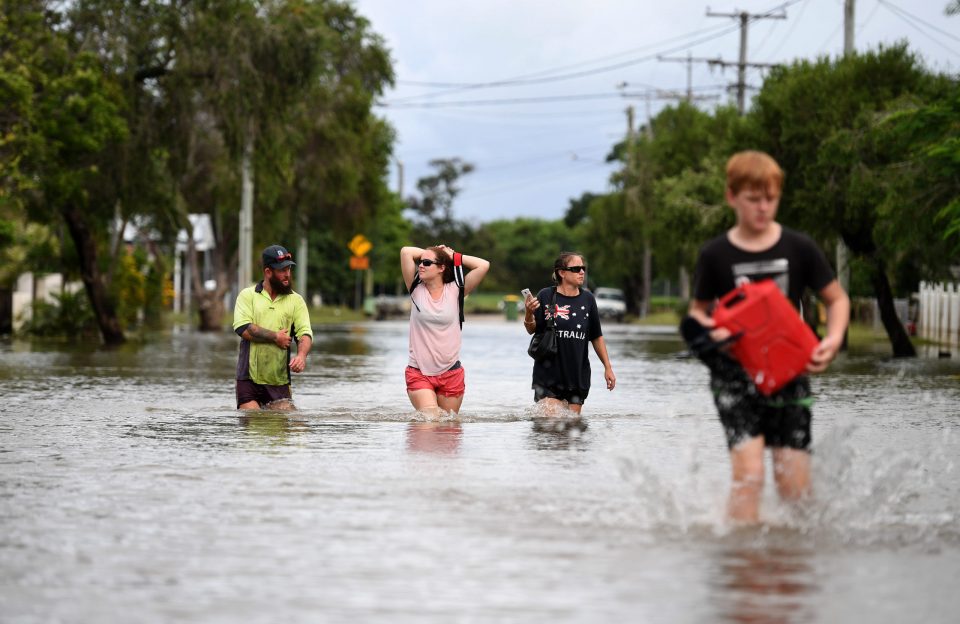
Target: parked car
(610, 303)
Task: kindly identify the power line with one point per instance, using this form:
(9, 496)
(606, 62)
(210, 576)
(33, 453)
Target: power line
(908, 18)
(745, 19)
(562, 67)
(897, 9)
(570, 76)
(527, 100)
(793, 26)
(538, 180)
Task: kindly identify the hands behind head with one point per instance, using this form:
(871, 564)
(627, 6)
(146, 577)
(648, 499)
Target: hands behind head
(446, 250)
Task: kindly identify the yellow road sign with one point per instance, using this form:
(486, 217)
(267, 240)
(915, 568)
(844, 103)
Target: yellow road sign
(359, 245)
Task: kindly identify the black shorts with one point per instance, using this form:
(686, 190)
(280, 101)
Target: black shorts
(783, 419)
(248, 391)
(574, 397)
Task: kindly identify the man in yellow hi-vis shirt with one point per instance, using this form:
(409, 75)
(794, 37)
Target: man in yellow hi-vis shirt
(267, 317)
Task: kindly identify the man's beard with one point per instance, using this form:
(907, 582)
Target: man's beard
(279, 288)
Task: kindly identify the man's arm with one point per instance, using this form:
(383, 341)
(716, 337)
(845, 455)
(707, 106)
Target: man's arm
(255, 333)
(838, 317)
(299, 363)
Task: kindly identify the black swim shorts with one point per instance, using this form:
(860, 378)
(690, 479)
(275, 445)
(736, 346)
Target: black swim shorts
(572, 396)
(248, 391)
(783, 418)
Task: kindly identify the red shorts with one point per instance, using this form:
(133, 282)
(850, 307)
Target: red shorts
(450, 383)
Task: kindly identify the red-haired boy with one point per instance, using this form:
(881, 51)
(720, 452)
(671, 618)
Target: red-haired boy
(758, 247)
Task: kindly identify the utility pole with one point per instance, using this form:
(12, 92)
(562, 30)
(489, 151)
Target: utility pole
(633, 183)
(742, 65)
(631, 191)
(843, 256)
(689, 61)
(245, 262)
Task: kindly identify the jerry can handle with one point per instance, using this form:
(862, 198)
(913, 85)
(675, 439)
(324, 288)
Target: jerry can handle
(733, 297)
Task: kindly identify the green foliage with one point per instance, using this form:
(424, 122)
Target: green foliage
(521, 252)
(433, 210)
(578, 209)
(69, 316)
(129, 289)
(155, 293)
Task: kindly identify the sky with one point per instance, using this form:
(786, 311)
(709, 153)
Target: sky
(572, 68)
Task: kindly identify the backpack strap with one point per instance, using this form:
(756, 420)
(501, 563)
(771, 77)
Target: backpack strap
(416, 282)
(459, 279)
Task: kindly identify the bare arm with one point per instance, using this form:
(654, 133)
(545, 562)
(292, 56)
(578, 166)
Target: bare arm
(408, 263)
(478, 270)
(600, 346)
(255, 333)
(299, 363)
(838, 317)
(700, 310)
(530, 320)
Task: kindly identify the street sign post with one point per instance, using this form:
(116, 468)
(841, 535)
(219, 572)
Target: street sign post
(360, 246)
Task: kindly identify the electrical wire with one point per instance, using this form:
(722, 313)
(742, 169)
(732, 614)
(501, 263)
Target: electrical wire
(789, 33)
(536, 99)
(906, 17)
(897, 9)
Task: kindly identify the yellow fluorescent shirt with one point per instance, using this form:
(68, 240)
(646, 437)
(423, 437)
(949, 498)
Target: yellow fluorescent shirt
(264, 362)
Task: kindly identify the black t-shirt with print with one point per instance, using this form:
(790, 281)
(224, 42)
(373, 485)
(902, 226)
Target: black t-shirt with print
(794, 262)
(578, 323)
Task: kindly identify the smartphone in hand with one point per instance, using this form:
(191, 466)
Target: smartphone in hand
(525, 293)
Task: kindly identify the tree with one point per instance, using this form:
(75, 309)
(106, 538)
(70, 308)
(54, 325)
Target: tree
(521, 251)
(819, 120)
(433, 210)
(68, 124)
(578, 209)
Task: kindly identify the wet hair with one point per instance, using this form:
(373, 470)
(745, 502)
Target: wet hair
(561, 263)
(445, 260)
(754, 170)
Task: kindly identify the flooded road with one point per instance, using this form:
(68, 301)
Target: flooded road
(131, 491)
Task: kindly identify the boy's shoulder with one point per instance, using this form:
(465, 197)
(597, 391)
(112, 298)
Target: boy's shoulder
(788, 236)
(716, 244)
(796, 236)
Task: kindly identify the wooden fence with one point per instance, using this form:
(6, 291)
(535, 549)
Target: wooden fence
(940, 313)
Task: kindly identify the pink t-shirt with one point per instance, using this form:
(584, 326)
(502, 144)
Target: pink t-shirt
(435, 329)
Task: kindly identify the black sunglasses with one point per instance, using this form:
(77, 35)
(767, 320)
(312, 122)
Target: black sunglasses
(574, 269)
(428, 262)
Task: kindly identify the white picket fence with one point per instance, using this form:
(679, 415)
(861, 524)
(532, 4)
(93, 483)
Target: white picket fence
(940, 313)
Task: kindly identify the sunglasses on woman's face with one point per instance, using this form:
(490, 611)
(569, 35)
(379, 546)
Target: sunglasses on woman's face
(575, 269)
(428, 262)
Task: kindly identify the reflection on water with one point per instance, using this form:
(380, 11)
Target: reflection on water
(764, 584)
(615, 517)
(273, 426)
(559, 433)
(442, 438)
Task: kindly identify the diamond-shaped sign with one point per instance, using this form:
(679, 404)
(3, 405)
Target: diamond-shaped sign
(360, 245)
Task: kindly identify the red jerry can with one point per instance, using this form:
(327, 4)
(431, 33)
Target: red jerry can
(775, 344)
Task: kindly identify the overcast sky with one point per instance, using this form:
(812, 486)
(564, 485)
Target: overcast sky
(579, 59)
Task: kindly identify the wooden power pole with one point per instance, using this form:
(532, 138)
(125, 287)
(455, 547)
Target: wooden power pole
(742, 65)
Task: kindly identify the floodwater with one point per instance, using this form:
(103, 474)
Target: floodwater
(132, 491)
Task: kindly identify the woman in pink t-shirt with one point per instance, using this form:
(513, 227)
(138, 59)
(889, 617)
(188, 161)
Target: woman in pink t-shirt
(435, 377)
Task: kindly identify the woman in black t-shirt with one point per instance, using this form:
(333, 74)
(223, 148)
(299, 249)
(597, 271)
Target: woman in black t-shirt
(563, 381)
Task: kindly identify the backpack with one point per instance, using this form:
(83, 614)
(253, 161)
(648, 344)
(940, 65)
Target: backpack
(458, 279)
